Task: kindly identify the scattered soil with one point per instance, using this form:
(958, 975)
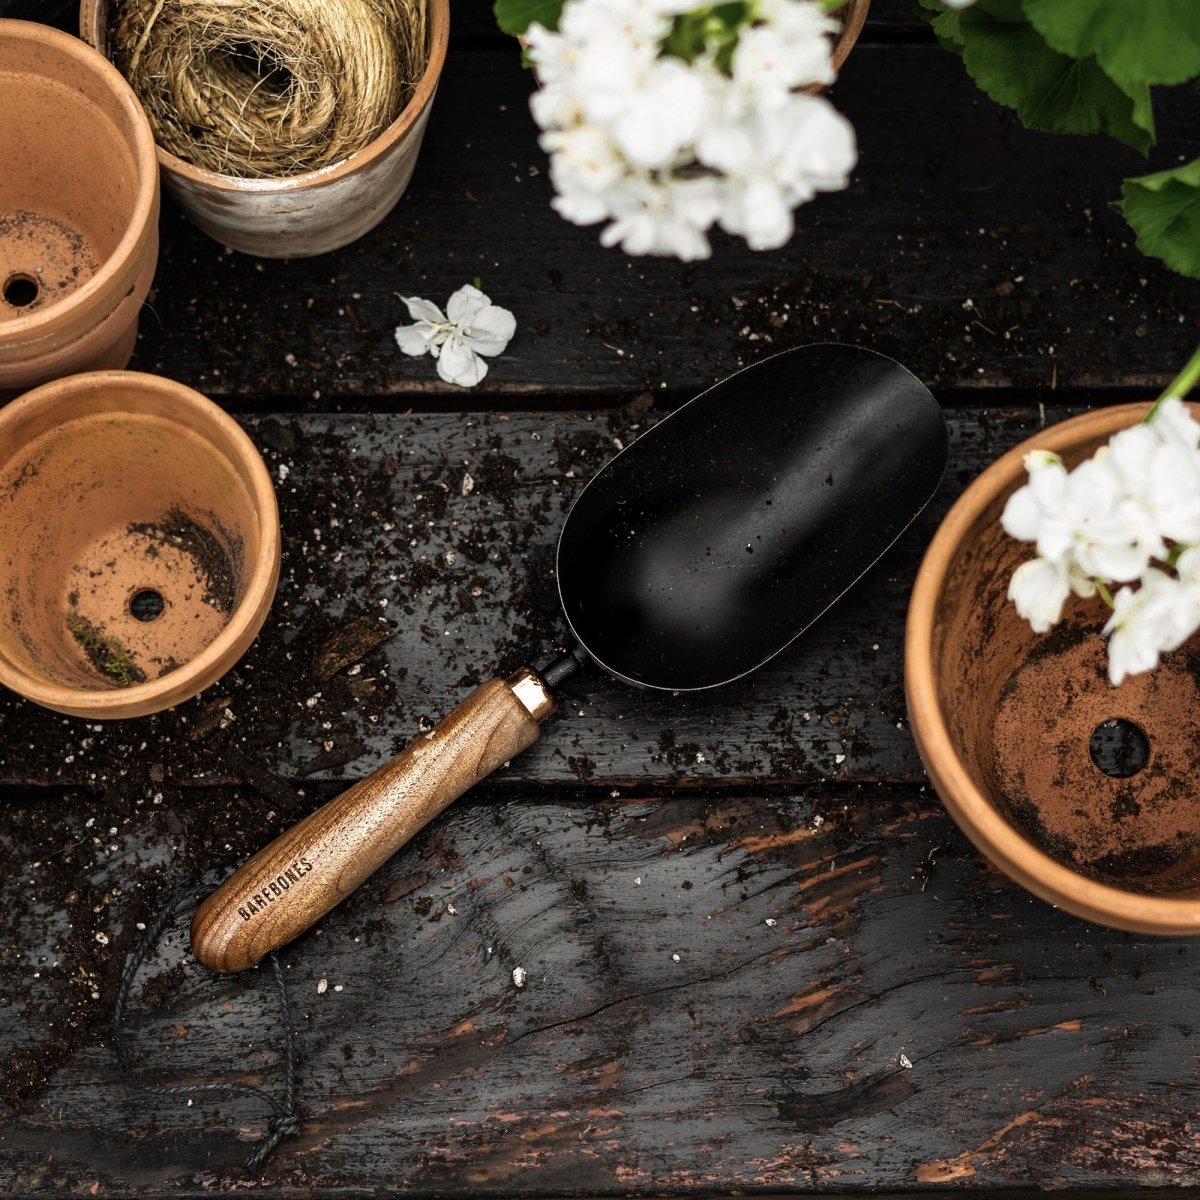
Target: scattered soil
(372, 549)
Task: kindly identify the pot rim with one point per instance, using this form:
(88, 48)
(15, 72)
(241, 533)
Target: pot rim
(43, 322)
(251, 611)
(991, 834)
(91, 13)
(854, 13)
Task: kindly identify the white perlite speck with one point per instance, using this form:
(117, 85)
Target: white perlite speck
(519, 976)
(906, 1062)
(322, 986)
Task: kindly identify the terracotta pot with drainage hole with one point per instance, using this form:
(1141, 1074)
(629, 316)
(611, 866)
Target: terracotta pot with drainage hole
(316, 211)
(139, 544)
(1085, 794)
(78, 208)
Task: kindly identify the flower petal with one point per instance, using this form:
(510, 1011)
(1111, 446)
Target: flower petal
(1022, 517)
(459, 364)
(1039, 589)
(424, 310)
(490, 330)
(464, 304)
(414, 339)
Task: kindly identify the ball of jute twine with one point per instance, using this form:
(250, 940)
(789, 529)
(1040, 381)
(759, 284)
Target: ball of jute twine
(270, 88)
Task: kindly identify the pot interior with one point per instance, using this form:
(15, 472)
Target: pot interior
(1102, 779)
(68, 174)
(128, 538)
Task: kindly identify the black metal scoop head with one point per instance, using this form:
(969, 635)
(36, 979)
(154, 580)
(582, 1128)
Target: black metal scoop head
(720, 535)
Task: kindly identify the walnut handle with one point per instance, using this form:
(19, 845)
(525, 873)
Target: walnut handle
(303, 873)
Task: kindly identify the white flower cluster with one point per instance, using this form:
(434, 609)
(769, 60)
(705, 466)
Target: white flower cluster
(1130, 514)
(662, 147)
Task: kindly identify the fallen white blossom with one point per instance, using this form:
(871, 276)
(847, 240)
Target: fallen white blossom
(470, 330)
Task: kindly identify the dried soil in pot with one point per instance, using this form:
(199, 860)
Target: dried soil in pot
(140, 544)
(78, 208)
(1026, 707)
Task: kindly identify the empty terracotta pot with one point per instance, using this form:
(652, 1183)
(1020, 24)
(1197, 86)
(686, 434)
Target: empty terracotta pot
(139, 544)
(1084, 793)
(316, 211)
(78, 208)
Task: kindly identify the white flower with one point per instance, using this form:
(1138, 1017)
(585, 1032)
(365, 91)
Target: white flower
(1160, 480)
(1135, 503)
(768, 63)
(669, 218)
(1078, 518)
(584, 165)
(471, 328)
(1160, 616)
(1039, 589)
(662, 148)
(1035, 460)
(958, 3)
(1174, 424)
(1188, 566)
(652, 109)
(806, 147)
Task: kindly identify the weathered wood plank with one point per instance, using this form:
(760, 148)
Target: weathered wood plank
(669, 1039)
(376, 525)
(952, 203)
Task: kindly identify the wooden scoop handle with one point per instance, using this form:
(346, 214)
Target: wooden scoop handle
(303, 873)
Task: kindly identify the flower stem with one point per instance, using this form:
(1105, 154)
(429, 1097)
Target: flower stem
(1179, 386)
(1105, 594)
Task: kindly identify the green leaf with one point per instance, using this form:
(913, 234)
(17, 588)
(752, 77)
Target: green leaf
(1164, 211)
(947, 26)
(1052, 92)
(516, 16)
(1145, 41)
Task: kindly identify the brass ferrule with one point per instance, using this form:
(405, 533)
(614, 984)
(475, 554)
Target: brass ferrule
(532, 693)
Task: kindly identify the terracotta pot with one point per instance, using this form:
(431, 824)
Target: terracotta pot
(78, 208)
(316, 211)
(853, 17)
(140, 544)
(1005, 720)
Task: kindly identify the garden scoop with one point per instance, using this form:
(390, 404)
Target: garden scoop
(694, 556)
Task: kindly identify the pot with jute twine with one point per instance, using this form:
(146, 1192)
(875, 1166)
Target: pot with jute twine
(285, 128)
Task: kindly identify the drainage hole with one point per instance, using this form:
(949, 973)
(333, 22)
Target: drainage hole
(1119, 748)
(147, 605)
(21, 290)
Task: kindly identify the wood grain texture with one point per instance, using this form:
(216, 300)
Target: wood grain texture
(294, 881)
(669, 1039)
(398, 592)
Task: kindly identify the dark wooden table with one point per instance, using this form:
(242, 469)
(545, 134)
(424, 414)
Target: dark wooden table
(737, 911)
